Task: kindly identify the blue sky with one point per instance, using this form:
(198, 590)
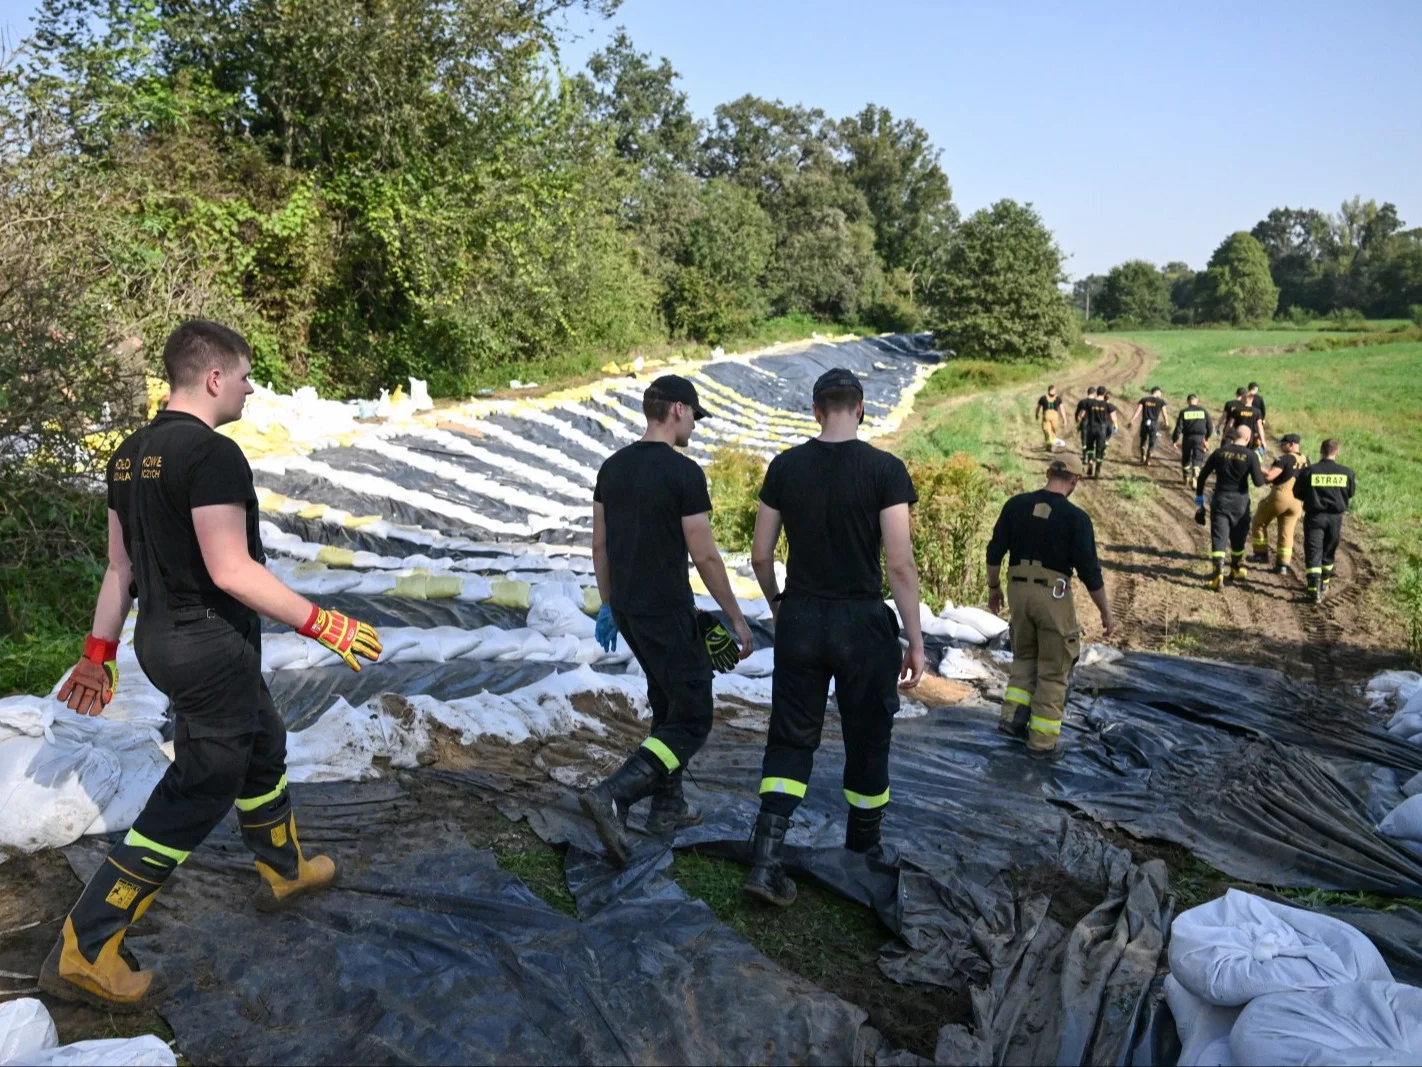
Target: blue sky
(1139, 129)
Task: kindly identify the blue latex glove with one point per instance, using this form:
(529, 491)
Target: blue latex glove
(606, 629)
(1200, 501)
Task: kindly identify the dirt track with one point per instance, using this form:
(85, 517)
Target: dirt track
(1157, 562)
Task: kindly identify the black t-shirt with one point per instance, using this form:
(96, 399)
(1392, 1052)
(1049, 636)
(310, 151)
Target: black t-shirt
(1081, 406)
(1151, 408)
(1193, 421)
(646, 489)
(1098, 413)
(1325, 488)
(1292, 464)
(1257, 403)
(829, 495)
(1049, 403)
(1047, 527)
(1234, 468)
(164, 470)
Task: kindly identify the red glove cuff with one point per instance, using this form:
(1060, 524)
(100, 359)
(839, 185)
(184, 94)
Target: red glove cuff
(97, 650)
(311, 628)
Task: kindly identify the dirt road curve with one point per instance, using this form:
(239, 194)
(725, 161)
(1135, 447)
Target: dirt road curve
(1157, 562)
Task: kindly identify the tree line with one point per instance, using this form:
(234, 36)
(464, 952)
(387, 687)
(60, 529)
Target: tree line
(1295, 263)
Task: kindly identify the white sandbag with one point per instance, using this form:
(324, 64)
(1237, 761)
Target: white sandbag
(985, 622)
(26, 716)
(406, 644)
(26, 1030)
(1413, 786)
(543, 589)
(1405, 723)
(500, 643)
(142, 762)
(447, 643)
(420, 395)
(283, 650)
(1204, 1028)
(146, 1051)
(340, 746)
(136, 702)
(475, 589)
(1358, 1022)
(560, 650)
(533, 646)
(1240, 946)
(759, 664)
(1404, 822)
(559, 616)
(1396, 687)
(373, 583)
(964, 666)
(1411, 703)
(50, 793)
(950, 628)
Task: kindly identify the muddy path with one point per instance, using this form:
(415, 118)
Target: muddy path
(1157, 562)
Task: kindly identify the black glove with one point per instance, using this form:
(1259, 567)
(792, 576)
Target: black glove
(1200, 516)
(724, 651)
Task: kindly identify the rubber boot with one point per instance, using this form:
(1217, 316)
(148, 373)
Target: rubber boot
(1238, 572)
(1315, 590)
(861, 833)
(269, 831)
(1217, 582)
(1282, 568)
(767, 879)
(1013, 719)
(670, 811)
(85, 965)
(607, 803)
(1259, 555)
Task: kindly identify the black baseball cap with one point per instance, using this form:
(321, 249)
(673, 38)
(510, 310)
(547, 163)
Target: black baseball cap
(1291, 439)
(837, 378)
(674, 389)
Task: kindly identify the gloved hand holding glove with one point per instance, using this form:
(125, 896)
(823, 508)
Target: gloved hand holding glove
(344, 636)
(725, 652)
(606, 629)
(91, 684)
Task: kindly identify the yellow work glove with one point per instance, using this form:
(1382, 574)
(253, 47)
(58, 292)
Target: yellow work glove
(344, 636)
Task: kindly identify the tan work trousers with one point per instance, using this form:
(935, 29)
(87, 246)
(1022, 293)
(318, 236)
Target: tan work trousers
(1051, 427)
(1283, 506)
(1046, 643)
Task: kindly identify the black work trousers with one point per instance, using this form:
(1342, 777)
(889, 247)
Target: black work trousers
(1229, 526)
(1094, 447)
(1322, 532)
(678, 668)
(229, 741)
(1192, 451)
(855, 643)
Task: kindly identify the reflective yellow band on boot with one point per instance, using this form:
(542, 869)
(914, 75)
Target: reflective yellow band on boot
(666, 755)
(1313, 570)
(1017, 696)
(859, 800)
(788, 786)
(253, 803)
(133, 837)
(1045, 726)
(1217, 555)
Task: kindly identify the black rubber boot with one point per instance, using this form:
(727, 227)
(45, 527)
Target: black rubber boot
(269, 831)
(861, 833)
(1259, 555)
(1014, 725)
(1315, 593)
(607, 803)
(767, 879)
(1282, 568)
(670, 811)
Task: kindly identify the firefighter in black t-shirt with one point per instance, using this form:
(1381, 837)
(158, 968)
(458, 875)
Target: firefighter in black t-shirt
(1099, 417)
(1045, 538)
(1280, 505)
(1079, 416)
(1049, 412)
(839, 501)
(650, 509)
(1239, 412)
(1192, 434)
(183, 539)
(1153, 413)
(1234, 467)
(1326, 488)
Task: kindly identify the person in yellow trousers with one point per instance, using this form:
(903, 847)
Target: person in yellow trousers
(1281, 505)
(1049, 411)
(1044, 538)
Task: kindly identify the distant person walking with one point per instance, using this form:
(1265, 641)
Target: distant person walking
(1239, 412)
(1049, 412)
(1192, 435)
(1326, 489)
(841, 501)
(1234, 467)
(1153, 412)
(1281, 505)
(1044, 538)
(650, 509)
(1099, 417)
(1079, 416)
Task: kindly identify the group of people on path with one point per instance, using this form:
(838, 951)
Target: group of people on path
(1318, 493)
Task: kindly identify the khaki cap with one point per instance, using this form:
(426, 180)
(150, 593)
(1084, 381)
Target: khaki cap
(1065, 464)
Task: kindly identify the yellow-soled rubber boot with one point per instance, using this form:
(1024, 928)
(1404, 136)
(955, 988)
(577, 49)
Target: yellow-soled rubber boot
(1239, 573)
(85, 966)
(1217, 582)
(269, 831)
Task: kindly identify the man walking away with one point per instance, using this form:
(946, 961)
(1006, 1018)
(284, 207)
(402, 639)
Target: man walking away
(183, 538)
(1045, 538)
(1234, 467)
(1151, 410)
(1079, 417)
(840, 501)
(1100, 421)
(1238, 412)
(1281, 504)
(1192, 434)
(1326, 488)
(1049, 411)
(1256, 401)
(650, 508)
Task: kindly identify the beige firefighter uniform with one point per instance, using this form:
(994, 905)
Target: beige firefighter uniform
(1046, 643)
(1282, 506)
(1051, 427)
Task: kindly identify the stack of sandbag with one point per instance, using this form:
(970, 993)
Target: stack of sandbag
(965, 625)
(1244, 968)
(1393, 689)
(28, 1037)
(1404, 822)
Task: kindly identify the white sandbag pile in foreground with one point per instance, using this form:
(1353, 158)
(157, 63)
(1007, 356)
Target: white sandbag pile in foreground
(1404, 822)
(28, 1037)
(1204, 1028)
(1393, 688)
(1355, 1023)
(1240, 946)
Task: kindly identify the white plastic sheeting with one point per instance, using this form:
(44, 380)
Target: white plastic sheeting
(1355, 1023)
(25, 1029)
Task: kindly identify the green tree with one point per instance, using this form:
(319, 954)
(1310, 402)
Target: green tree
(652, 126)
(997, 296)
(1303, 257)
(1236, 286)
(1135, 291)
(718, 288)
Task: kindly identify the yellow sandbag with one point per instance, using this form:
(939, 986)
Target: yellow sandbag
(308, 567)
(333, 556)
(443, 586)
(355, 522)
(313, 511)
(592, 600)
(272, 502)
(410, 585)
(611, 368)
(744, 588)
(508, 593)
